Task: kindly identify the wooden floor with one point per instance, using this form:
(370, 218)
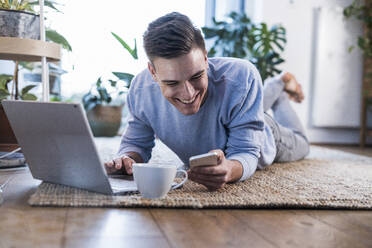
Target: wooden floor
(25, 226)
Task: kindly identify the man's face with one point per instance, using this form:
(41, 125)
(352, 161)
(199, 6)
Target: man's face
(183, 80)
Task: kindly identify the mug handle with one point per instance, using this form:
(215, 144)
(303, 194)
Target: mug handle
(183, 181)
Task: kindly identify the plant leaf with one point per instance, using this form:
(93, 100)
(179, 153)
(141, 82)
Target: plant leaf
(127, 77)
(29, 97)
(50, 4)
(125, 45)
(113, 82)
(4, 94)
(26, 65)
(4, 80)
(104, 95)
(90, 101)
(99, 82)
(26, 89)
(54, 36)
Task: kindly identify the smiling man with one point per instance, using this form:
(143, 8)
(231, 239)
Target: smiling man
(196, 105)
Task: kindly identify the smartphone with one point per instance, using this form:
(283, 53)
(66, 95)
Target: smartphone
(203, 159)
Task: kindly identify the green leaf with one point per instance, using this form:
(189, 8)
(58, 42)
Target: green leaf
(26, 65)
(6, 77)
(99, 82)
(26, 89)
(4, 80)
(127, 77)
(125, 45)
(29, 97)
(47, 3)
(90, 105)
(239, 37)
(279, 45)
(90, 101)
(4, 94)
(51, 5)
(56, 99)
(54, 36)
(368, 75)
(113, 83)
(209, 32)
(104, 95)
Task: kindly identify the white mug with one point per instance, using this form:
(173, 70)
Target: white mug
(155, 180)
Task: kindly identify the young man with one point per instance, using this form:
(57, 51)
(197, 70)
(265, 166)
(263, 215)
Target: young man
(196, 105)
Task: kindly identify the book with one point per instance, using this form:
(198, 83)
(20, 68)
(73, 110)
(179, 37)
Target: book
(15, 160)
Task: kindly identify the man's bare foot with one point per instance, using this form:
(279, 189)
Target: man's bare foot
(292, 87)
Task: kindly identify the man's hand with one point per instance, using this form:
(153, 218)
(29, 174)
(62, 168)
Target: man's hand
(216, 176)
(122, 165)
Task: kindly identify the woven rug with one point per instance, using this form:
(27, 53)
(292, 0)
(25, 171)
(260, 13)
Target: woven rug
(327, 179)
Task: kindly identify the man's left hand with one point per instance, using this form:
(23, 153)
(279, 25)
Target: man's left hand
(216, 176)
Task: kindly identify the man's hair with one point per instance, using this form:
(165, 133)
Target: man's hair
(171, 36)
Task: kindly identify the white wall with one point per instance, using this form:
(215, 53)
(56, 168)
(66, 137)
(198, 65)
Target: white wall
(6, 67)
(297, 16)
(95, 52)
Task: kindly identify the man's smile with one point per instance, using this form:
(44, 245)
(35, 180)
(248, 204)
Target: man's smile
(191, 101)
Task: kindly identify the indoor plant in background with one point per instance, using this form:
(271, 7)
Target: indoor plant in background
(19, 18)
(239, 37)
(105, 101)
(362, 11)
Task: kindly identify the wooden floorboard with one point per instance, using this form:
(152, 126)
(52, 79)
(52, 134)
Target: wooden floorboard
(356, 224)
(25, 226)
(292, 228)
(206, 228)
(366, 151)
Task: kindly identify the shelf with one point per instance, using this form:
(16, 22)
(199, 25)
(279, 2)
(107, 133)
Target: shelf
(28, 49)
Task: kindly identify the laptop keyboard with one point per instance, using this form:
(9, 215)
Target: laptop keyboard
(122, 184)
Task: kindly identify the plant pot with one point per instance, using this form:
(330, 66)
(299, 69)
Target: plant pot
(7, 139)
(105, 120)
(14, 23)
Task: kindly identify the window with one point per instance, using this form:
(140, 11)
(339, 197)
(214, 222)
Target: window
(87, 25)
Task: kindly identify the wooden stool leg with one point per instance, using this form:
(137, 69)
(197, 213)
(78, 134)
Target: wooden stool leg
(363, 122)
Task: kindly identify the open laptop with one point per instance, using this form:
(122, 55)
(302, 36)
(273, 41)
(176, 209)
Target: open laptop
(58, 146)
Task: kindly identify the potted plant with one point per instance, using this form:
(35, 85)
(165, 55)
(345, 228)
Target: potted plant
(102, 103)
(362, 11)
(16, 22)
(239, 37)
(18, 18)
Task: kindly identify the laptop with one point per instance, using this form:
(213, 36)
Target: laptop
(58, 145)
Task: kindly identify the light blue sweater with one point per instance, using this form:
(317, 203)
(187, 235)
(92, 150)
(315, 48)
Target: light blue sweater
(230, 119)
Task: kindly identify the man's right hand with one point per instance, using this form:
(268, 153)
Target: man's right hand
(122, 165)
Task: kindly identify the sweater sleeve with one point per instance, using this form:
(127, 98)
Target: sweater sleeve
(246, 122)
(139, 136)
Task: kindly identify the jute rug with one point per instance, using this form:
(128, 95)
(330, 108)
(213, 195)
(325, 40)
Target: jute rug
(327, 179)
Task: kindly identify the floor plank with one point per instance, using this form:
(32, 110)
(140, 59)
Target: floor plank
(111, 227)
(115, 242)
(35, 228)
(288, 228)
(111, 223)
(366, 151)
(25, 226)
(206, 228)
(353, 223)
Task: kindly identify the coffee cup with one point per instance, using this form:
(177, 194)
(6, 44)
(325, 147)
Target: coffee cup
(155, 180)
